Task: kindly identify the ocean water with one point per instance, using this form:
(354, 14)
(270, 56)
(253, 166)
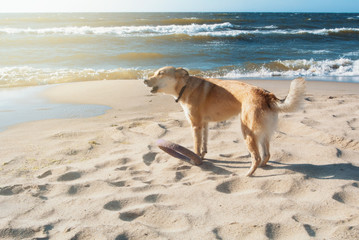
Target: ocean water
(19, 105)
(46, 48)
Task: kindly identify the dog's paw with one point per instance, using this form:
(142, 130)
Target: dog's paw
(263, 164)
(203, 154)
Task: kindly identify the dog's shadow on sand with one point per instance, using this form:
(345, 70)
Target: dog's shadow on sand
(342, 171)
(221, 167)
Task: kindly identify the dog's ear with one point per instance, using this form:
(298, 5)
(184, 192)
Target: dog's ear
(182, 73)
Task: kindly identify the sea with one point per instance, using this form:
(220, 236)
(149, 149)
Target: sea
(51, 48)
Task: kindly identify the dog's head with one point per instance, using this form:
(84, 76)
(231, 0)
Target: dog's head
(167, 80)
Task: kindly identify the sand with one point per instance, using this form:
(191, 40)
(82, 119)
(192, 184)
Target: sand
(105, 178)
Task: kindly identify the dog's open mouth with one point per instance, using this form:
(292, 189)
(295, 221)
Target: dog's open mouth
(154, 89)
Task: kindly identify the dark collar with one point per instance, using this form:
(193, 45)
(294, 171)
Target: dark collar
(181, 93)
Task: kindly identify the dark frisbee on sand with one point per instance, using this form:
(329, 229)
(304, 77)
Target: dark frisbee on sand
(178, 151)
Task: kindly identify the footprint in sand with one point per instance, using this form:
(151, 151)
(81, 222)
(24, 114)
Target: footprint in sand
(179, 176)
(124, 168)
(152, 198)
(159, 217)
(184, 167)
(149, 157)
(339, 153)
(310, 230)
(353, 124)
(123, 236)
(11, 190)
(45, 174)
(278, 186)
(228, 187)
(113, 205)
(280, 231)
(129, 216)
(74, 189)
(271, 230)
(149, 129)
(118, 183)
(70, 176)
(236, 185)
(347, 196)
(309, 99)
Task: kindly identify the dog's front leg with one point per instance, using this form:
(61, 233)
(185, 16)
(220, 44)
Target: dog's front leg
(197, 135)
(205, 140)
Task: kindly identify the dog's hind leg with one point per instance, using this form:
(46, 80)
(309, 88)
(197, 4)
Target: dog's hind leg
(253, 149)
(265, 149)
(205, 140)
(252, 145)
(271, 121)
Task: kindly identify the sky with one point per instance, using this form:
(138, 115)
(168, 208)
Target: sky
(179, 6)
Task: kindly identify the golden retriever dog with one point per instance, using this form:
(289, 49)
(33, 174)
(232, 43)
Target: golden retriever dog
(213, 100)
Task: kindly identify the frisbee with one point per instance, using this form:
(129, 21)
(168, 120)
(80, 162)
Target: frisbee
(178, 151)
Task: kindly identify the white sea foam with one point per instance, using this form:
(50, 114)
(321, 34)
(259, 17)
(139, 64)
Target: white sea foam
(122, 30)
(217, 30)
(302, 68)
(351, 54)
(321, 51)
(29, 76)
(267, 27)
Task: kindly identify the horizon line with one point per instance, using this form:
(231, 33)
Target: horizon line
(183, 12)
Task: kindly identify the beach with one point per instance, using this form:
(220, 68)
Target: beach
(103, 177)
(78, 128)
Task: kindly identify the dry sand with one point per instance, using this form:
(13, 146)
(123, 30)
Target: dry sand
(104, 177)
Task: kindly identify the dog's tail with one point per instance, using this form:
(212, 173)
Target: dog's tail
(294, 98)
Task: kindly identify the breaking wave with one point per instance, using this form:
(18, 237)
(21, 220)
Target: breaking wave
(29, 76)
(122, 30)
(225, 29)
(342, 67)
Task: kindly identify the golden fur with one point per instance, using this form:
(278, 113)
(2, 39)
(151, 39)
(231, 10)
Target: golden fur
(213, 100)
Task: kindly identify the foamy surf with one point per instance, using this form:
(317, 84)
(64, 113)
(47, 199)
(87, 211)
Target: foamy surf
(29, 76)
(218, 30)
(339, 68)
(122, 30)
(343, 69)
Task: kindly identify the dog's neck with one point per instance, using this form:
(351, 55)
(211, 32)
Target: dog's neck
(179, 90)
(181, 93)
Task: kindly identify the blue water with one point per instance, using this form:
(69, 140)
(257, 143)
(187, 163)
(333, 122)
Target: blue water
(19, 105)
(41, 48)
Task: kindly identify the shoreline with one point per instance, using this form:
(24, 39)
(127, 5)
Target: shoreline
(57, 94)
